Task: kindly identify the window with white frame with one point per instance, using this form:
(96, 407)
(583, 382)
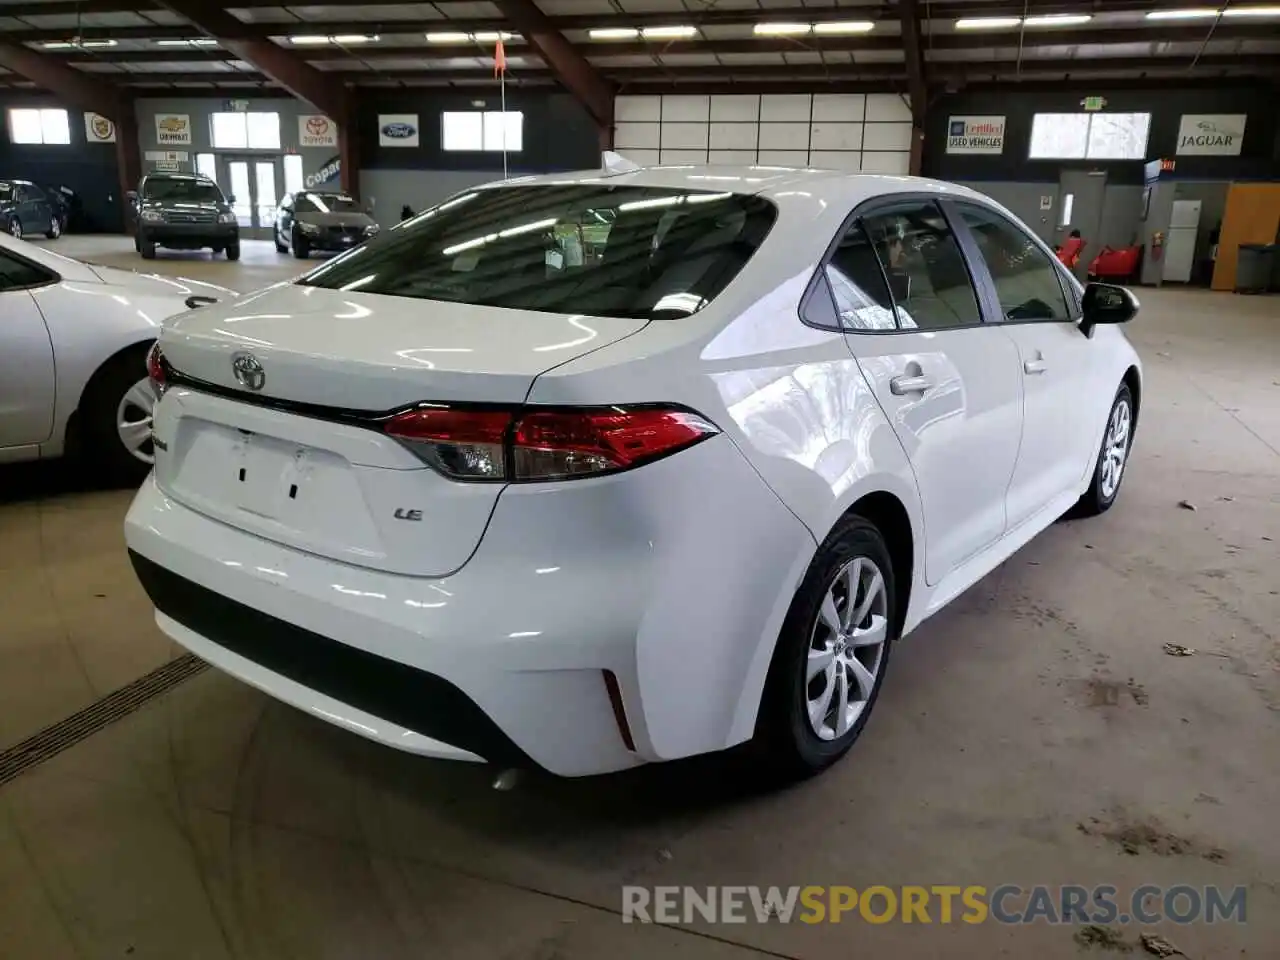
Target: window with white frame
(207, 166)
(1089, 136)
(240, 131)
(488, 130)
(48, 126)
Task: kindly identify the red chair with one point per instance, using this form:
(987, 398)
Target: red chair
(1069, 252)
(1120, 264)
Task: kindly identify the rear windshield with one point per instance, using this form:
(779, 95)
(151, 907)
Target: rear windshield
(197, 191)
(590, 248)
(325, 203)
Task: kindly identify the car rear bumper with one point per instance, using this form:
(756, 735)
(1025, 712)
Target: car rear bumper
(189, 236)
(599, 625)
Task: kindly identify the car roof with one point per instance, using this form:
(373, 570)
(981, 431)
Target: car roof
(779, 184)
(13, 180)
(162, 175)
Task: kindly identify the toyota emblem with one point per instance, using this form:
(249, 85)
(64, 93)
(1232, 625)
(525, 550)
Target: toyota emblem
(248, 371)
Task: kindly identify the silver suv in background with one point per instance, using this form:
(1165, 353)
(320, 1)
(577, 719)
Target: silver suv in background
(310, 220)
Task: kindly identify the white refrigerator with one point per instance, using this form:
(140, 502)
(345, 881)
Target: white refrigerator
(1180, 244)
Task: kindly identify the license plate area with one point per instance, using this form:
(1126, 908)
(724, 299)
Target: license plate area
(274, 478)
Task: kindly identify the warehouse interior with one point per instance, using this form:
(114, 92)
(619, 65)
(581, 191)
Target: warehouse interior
(1103, 709)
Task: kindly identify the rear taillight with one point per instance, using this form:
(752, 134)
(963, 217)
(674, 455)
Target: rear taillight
(555, 444)
(157, 369)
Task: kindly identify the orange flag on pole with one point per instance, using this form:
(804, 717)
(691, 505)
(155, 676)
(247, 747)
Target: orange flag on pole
(499, 60)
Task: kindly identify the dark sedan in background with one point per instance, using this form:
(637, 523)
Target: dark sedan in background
(25, 209)
(311, 220)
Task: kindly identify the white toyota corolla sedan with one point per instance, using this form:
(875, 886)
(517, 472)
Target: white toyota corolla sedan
(595, 470)
(73, 343)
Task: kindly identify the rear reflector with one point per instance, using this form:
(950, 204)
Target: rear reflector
(529, 444)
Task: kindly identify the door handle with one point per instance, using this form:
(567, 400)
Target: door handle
(1035, 366)
(901, 386)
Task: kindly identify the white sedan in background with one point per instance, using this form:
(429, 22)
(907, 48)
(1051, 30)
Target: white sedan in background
(590, 471)
(73, 344)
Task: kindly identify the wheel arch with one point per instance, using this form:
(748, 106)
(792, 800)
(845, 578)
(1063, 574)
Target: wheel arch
(890, 516)
(1133, 380)
(71, 436)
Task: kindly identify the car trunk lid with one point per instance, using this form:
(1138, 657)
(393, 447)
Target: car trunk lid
(300, 460)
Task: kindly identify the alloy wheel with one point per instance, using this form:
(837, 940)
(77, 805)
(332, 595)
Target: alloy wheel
(15, 228)
(133, 421)
(846, 648)
(1115, 448)
(55, 228)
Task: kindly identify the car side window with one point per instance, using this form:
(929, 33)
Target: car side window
(927, 275)
(858, 285)
(1026, 281)
(18, 274)
(20, 194)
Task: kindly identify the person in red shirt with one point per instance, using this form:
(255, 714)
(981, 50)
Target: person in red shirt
(1070, 251)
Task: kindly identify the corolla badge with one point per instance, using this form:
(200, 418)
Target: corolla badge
(248, 371)
(399, 131)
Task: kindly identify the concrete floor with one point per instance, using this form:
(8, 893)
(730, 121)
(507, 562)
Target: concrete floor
(1034, 732)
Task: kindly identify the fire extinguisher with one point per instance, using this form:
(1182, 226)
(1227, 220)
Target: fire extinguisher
(1157, 244)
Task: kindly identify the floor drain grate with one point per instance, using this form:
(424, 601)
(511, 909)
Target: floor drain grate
(64, 734)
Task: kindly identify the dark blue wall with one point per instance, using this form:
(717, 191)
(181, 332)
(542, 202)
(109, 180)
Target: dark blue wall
(558, 133)
(1166, 105)
(87, 168)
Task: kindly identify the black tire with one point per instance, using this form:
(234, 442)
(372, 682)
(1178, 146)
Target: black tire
(233, 250)
(785, 738)
(1098, 499)
(147, 248)
(301, 249)
(55, 229)
(104, 452)
(14, 227)
(281, 246)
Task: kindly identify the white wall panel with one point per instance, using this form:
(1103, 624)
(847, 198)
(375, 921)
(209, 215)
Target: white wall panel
(683, 156)
(735, 136)
(646, 158)
(637, 108)
(684, 136)
(898, 163)
(784, 136)
(886, 136)
(849, 160)
(632, 134)
(685, 107)
(847, 107)
(836, 136)
(735, 157)
(784, 158)
(738, 108)
(785, 106)
(888, 106)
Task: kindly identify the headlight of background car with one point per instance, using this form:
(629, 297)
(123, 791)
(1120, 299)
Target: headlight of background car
(371, 229)
(308, 227)
(152, 216)
(227, 217)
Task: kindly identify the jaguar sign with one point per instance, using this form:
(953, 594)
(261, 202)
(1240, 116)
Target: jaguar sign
(1211, 134)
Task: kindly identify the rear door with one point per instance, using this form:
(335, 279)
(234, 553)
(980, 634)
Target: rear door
(26, 356)
(1042, 317)
(948, 383)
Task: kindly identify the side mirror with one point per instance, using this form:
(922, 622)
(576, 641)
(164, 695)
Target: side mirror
(1106, 303)
(231, 198)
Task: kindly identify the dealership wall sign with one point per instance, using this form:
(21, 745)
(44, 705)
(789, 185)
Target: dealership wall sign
(317, 130)
(173, 129)
(98, 129)
(397, 130)
(330, 173)
(975, 135)
(1211, 134)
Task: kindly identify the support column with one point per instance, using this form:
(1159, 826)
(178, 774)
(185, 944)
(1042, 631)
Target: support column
(128, 158)
(349, 148)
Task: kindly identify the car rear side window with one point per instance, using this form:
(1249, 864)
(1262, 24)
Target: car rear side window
(858, 284)
(926, 271)
(1027, 283)
(578, 248)
(18, 274)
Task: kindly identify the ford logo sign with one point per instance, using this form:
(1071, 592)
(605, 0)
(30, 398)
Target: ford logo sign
(399, 131)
